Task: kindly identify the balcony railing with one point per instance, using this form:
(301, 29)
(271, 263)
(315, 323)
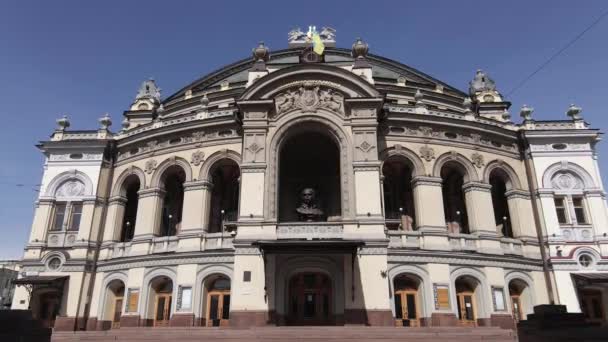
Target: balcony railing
(310, 231)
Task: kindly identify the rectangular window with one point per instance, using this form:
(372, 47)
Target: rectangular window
(579, 209)
(59, 216)
(560, 208)
(75, 215)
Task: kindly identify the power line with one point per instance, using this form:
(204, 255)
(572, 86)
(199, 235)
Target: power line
(564, 48)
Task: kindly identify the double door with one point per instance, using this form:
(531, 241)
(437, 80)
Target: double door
(162, 311)
(406, 308)
(218, 308)
(310, 300)
(466, 308)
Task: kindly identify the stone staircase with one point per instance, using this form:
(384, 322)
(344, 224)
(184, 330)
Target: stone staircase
(292, 334)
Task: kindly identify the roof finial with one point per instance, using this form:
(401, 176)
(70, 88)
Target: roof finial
(574, 112)
(63, 123)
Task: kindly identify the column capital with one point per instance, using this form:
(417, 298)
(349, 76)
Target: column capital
(151, 192)
(253, 168)
(366, 166)
(117, 200)
(426, 180)
(517, 193)
(476, 186)
(198, 185)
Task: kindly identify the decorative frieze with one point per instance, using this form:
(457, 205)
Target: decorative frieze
(309, 97)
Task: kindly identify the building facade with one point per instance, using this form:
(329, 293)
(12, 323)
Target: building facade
(9, 271)
(325, 189)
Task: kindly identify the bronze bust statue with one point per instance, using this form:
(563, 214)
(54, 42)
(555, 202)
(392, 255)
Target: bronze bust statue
(308, 210)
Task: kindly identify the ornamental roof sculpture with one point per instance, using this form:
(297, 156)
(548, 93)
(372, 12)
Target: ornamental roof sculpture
(483, 88)
(297, 38)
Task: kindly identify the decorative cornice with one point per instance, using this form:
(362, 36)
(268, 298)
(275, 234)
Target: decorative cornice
(454, 258)
(253, 168)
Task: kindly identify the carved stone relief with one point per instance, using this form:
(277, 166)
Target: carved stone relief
(477, 160)
(427, 153)
(566, 181)
(150, 166)
(365, 146)
(308, 98)
(71, 188)
(254, 150)
(197, 158)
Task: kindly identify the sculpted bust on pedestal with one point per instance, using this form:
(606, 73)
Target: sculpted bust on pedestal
(308, 211)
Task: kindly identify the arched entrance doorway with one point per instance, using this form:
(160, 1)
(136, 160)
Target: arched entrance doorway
(519, 293)
(46, 304)
(466, 300)
(216, 301)
(114, 303)
(407, 301)
(160, 300)
(309, 159)
(310, 299)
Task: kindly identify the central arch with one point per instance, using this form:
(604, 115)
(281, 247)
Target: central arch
(318, 125)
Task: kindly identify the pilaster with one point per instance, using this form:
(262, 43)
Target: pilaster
(480, 212)
(430, 219)
(114, 219)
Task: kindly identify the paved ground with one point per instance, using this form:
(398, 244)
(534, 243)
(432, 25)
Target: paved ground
(307, 334)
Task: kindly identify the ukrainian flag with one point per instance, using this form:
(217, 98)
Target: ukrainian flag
(317, 44)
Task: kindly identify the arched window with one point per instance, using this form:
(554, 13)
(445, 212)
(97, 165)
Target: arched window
(68, 206)
(131, 187)
(502, 216)
(569, 199)
(173, 201)
(224, 196)
(454, 204)
(398, 194)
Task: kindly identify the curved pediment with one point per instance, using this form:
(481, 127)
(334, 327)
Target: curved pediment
(339, 81)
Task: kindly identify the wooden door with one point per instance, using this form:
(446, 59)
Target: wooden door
(516, 308)
(310, 300)
(591, 306)
(407, 308)
(218, 308)
(162, 310)
(48, 310)
(466, 308)
(117, 313)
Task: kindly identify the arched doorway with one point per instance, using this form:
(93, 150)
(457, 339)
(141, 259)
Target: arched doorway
(216, 301)
(309, 159)
(407, 300)
(131, 187)
(114, 303)
(398, 194)
(160, 300)
(310, 299)
(502, 217)
(521, 301)
(467, 289)
(592, 305)
(224, 206)
(173, 201)
(454, 203)
(46, 304)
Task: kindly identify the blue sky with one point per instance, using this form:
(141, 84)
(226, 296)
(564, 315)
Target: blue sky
(84, 58)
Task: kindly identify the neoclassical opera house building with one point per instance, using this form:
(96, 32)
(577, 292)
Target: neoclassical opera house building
(294, 188)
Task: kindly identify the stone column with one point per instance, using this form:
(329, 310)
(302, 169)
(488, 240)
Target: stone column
(430, 218)
(366, 290)
(521, 215)
(148, 219)
(248, 305)
(42, 220)
(184, 309)
(195, 217)
(86, 229)
(114, 218)
(480, 212)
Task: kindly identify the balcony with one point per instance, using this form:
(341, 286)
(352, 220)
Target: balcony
(511, 246)
(463, 242)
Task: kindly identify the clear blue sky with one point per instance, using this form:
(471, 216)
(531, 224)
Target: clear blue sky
(85, 58)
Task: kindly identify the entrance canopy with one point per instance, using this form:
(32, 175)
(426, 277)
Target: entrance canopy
(309, 246)
(590, 278)
(40, 280)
